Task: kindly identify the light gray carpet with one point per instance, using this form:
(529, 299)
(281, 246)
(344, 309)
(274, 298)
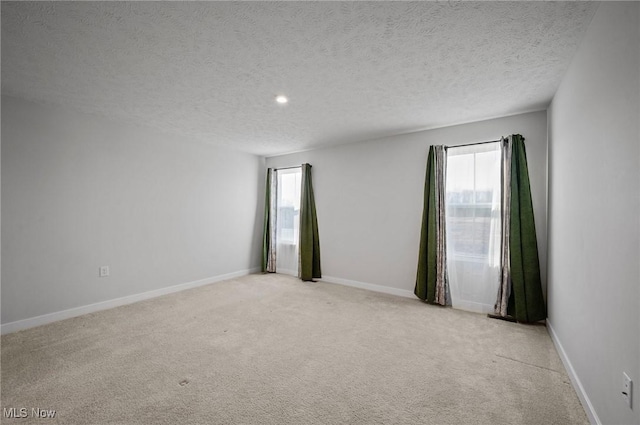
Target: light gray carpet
(273, 350)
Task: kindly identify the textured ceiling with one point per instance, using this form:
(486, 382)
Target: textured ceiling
(352, 70)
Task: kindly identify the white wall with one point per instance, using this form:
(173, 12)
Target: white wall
(594, 213)
(369, 197)
(80, 192)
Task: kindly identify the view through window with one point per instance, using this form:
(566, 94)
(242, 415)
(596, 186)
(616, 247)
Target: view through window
(288, 219)
(473, 223)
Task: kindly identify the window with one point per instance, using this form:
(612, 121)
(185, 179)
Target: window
(472, 199)
(289, 183)
(473, 223)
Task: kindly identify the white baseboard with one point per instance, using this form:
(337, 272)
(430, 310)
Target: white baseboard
(370, 286)
(472, 306)
(288, 272)
(31, 322)
(577, 384)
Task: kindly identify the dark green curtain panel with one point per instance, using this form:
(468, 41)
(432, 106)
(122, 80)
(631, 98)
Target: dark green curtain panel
(266, 233)
(426, 278)
(526, 303)
(309, 267)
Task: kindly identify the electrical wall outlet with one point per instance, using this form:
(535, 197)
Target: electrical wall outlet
(627, 389)
(103, 271)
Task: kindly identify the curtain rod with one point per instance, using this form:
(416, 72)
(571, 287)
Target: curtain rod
(288, 168)
(471, 144)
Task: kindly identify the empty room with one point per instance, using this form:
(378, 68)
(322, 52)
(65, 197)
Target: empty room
(320, 212)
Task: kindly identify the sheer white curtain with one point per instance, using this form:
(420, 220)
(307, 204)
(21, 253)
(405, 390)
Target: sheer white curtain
(289, 183)
(473, 212)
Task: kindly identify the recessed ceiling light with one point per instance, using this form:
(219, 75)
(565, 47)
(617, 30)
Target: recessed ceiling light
(281, 99)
